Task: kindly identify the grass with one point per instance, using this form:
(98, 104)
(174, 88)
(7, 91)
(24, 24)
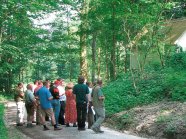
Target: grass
(3, 129)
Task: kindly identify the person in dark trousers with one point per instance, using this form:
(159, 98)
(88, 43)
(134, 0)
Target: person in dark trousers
(62, 99)
(81, 92)
(90, 117)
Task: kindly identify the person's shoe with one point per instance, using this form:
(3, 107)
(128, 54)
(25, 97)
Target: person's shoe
(29, 125)
(46, 128)
(19, 124)
(57, 128)
(100, 131)
(81, 128)
(67, 125)
(74, 125)
(95, 130)
(33, 121)
(37, 123)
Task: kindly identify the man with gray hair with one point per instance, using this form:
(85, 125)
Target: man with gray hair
(99, 106)
(30, 104)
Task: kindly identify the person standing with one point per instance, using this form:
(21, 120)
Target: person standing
(99, 107)
(46, 107)
(33, 88)
(30, 104)
(55, 101)
(38, 108)
(70, 109)
(62, 99)
(90, 107)
(18, 97)
(34, 85)
(81, 92)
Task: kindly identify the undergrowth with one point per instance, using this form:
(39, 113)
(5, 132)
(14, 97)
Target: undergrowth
(152, 85)
(3, 129)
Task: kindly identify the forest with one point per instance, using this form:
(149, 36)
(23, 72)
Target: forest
(125, 42)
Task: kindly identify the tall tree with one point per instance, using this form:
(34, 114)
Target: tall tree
(83, 38)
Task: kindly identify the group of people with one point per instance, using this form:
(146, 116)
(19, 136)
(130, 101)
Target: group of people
(63, 104)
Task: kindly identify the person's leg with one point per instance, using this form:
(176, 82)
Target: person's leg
(38, 113)
(22, 111)
(90, 117)
(84, 114)
(27, 111)
(78, 107)
(50, 113)
(63, 112)
(42, 115)
(19, 113)
(100, 112)
(57, 111)
(60, 114)
(31, 113)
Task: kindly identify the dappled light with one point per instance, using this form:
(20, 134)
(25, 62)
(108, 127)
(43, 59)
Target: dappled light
(132, 51)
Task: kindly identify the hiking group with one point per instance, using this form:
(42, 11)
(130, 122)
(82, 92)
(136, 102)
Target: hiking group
(61, 104)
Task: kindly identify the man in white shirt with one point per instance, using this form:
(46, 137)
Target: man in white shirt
(62, 100)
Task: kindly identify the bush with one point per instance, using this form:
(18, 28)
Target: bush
(153, 85)
(3, 129)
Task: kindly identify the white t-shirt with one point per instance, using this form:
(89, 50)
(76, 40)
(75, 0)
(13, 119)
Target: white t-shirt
(61, 93)
(89, 95)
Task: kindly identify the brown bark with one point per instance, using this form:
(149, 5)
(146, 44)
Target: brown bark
(83, 36)
(94, 56)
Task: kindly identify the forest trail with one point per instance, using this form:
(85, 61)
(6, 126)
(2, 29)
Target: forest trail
(66, 133)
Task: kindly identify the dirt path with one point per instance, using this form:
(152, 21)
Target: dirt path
(67, 133)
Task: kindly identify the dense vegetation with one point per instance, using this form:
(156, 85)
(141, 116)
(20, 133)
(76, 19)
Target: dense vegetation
(155, 84)
(95, 38)
(3, 129)
(122, 41)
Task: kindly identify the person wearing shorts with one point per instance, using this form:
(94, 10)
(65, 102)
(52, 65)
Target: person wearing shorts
(46, 107)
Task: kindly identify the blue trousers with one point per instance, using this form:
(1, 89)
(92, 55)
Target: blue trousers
(56, 109)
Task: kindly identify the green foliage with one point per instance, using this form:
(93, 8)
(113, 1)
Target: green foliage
(152, 85)
(121, 95)
(3, 129)
(178, 61)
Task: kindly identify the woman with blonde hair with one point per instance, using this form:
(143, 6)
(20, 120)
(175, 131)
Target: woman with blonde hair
(70, 109)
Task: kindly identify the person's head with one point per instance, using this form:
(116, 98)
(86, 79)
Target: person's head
(61, 81)
(70, 85)
(29, 86)
(46, 84)
(40, 83)
(36, 82)
(99, 82)
(20, 85)
(57, 83)
(81, 79)
(89, 84)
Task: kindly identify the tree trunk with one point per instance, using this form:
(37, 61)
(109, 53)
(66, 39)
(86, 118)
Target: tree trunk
(107, 62)
(94, 56)
(83, 36)
(113, 55)
(99, 62)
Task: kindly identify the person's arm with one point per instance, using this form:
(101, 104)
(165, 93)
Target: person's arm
(50, 98)
(100, 95)
(21, 93)
(49, 95)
